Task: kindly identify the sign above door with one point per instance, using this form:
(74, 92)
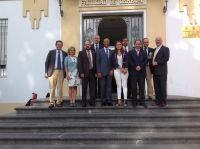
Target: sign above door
(90, 3)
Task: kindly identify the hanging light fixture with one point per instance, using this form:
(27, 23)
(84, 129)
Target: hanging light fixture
(165, 7)
(60, 4)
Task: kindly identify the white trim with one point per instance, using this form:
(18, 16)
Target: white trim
(107, 13)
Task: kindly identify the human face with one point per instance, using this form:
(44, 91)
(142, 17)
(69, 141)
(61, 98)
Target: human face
(87, 45)
(118, 45)
(137, 45)
(72, 52)
(158, 41)
(59, 45)
(96, 39)
(125, 42)
(146, 43)
(106, 42)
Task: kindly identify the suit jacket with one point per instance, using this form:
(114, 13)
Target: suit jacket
(93, 48)
(135, 61)
(124, 59)
(161, 58)
(50, 62)
(83, 63)
(150, 53)
(104, 64)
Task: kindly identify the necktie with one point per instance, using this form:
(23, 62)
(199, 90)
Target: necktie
(97, 48)
(58, 61)
(137, 51)
(90, 60)
(125, 49)
(146, 50)
(107, 53)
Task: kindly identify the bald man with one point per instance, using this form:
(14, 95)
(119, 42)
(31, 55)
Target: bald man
(105, 72)
(159, 63)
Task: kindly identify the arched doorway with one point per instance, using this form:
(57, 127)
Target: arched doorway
(112, 27)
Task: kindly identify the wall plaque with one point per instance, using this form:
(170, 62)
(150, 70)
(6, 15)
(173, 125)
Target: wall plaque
(89, 3)
(191, 32)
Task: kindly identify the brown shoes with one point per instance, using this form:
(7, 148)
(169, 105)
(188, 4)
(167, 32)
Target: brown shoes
(51, 106)
(162, 105)
(59, 105)
(155, 104)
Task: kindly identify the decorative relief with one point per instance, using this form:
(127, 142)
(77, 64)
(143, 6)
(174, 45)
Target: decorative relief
(35, 7)
(192, 9)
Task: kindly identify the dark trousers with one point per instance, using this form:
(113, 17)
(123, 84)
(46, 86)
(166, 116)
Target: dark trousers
(141, 83)
(106, 88)
(160, 88)
(98, 89)
(91, 80)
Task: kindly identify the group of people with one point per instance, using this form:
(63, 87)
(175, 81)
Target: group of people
(96, 64)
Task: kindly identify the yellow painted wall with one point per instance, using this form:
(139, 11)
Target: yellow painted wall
(6, 107)
(156, 24)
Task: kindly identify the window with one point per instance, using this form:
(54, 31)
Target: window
(3, 46)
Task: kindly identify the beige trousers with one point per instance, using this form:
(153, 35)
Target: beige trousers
(149, 79)
(56, 80)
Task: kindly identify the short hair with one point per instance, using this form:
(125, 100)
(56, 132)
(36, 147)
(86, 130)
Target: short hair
(59, 41)
(144, 39)
(124, 38)
(69, 49)
(137, 40)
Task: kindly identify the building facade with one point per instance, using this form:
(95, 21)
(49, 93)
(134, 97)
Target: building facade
(29, 29)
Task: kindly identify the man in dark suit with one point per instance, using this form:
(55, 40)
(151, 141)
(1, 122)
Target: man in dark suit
(55, 73)
(127, 48)
(96, 46)
(149, 67)
(87, 72)
(137, 71)
(160, 58)
(105, 72)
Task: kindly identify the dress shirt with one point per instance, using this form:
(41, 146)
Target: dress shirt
(126, 48)
(61, 58)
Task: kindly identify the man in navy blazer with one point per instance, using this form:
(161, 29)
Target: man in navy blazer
(160, 59)
(55, 73)
(137, 71)
(96, 46)
(105, 72)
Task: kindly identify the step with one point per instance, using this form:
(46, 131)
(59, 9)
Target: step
(108, 109)
(99, 138)
(102, 117)
(102, 146)
(72, 127)
(170, 100)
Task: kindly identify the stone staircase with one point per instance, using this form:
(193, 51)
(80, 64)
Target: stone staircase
(175, 126)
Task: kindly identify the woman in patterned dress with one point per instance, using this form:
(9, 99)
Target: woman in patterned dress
(71, 70)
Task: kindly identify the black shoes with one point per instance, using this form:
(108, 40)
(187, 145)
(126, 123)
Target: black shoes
(103, 104)
(83, 105)
(92, 104)
(134, 104)
(144, 105)
(110, 104)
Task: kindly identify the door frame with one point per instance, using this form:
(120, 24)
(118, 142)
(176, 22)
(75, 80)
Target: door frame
(107, 13)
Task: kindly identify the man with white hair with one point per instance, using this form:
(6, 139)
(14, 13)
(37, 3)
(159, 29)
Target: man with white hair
(159, 62)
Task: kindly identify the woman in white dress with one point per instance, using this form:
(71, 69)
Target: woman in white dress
(71, 70)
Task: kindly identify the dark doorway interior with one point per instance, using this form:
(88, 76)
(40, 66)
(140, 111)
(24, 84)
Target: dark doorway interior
(114, 28)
